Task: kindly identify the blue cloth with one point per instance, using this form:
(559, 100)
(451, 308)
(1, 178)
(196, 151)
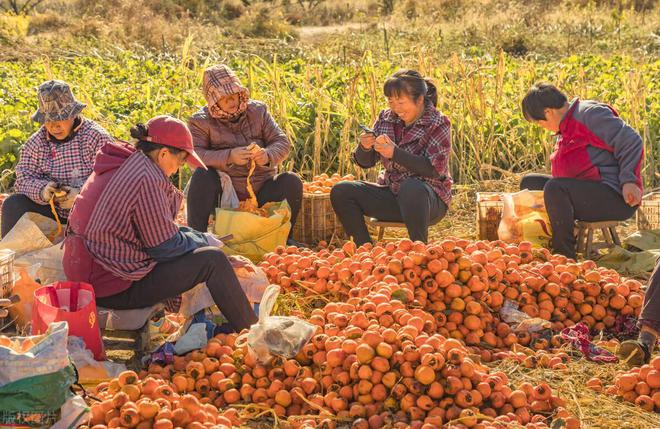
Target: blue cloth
(184, 241)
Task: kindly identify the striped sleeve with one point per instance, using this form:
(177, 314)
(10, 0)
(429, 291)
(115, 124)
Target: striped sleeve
(439, 146)
(30, 176)
(153, 215)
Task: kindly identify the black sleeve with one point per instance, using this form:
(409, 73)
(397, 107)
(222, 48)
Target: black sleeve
(365, 158)
(414, 163)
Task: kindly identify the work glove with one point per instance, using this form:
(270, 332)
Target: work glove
(48, 191)
(67, 201)
(212, 240)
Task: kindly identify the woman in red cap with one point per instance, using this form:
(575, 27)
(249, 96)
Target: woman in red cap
(123, 240)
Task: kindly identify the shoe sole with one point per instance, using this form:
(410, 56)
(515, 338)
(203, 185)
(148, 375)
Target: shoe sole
(632, 353)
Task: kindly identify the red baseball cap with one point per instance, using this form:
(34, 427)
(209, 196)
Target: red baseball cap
(170, 131)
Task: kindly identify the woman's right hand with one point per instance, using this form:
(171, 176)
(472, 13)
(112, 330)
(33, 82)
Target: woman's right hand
(367, 141)
(240, 156)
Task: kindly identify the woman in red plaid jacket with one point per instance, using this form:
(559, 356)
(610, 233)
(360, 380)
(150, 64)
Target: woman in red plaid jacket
(412, 140)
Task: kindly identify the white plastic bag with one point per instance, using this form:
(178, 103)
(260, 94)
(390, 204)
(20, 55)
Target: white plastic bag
(195, 299)
(521, 320)
(277, 335)
(229, 199)
(91, 371)
(524, 218)
(49, 260)
(194, 338)
(253, 279)
(74, 412)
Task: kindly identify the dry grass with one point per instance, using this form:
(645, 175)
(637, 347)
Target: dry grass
(595, 410)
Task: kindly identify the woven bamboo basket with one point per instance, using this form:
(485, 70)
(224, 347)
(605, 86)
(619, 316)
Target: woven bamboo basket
(489, 214)
(6, 276)
(317, 220)
(648, 214)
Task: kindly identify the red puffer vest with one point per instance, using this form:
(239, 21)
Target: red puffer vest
(571, 158)
(79, 265)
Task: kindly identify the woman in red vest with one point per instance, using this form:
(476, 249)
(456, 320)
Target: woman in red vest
(595, 167)
(122, 238)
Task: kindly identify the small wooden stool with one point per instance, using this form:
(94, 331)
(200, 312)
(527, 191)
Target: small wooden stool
(381, 225)
(585, 236)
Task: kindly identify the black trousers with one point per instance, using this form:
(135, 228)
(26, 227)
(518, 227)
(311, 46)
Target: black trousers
(416, 205)
(205, 191)
(568, 200)
(16, 205)
(171, 279)
(650, 316)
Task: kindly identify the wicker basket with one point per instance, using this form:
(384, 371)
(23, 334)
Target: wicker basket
(6, 276)
(6, 272)
(648, 214)
(489, 214)
(317, 220)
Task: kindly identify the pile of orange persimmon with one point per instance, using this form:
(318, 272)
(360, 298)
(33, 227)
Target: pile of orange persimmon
(400, 342)
(462, 286)
(131, 401)
(640, 385)
(322, 184)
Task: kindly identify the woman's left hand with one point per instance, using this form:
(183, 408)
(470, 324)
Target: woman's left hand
(632, 194)
(385, 146)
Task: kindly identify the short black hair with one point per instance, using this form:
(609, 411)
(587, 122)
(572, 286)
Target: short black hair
(542, 96)
(411, 83)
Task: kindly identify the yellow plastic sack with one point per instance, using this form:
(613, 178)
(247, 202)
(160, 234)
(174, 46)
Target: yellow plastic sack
(524, 218)
(254, 235)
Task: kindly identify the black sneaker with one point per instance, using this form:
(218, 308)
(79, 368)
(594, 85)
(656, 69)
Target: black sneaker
(634, 352)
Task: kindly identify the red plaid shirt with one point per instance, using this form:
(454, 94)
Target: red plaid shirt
(43, 160)
(429, 136)
(135, 211)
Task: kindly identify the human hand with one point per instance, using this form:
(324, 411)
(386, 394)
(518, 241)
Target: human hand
(48, 191)
(212, 240)
(66, 201)
(240, 156)
(260, 156)
(367, 141)
(632, 194)
(385, 146)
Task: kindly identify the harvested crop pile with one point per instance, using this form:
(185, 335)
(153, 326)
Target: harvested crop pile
(153, 402)
(462, 286)
(640, 386)
(322, 184)
(404, 332)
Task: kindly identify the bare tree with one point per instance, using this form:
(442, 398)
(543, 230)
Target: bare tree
(19, 7)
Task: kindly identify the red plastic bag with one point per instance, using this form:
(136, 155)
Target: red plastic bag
(72, 302)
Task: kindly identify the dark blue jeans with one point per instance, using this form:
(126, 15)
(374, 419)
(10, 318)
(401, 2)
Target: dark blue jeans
(568, 200)
(416, 205)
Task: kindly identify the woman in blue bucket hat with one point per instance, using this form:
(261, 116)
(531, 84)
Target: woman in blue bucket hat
(57, 159)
